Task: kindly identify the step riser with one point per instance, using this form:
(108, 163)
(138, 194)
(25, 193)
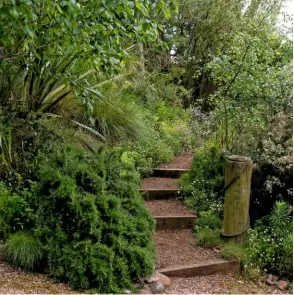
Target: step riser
(160, 194)
(202, 269)
(168, 173)
(174, 222)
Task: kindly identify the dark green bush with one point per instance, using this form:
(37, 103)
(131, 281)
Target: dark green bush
(203, 184)
(23, 250)
(91, 219)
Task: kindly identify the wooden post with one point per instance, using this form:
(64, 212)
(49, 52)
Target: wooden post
(238, 172)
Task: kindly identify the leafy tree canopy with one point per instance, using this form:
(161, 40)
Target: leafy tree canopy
(89, 30)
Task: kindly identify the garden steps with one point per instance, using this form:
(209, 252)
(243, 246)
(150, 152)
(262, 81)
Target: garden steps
(170, 214)
(177, 254)
(159, 188)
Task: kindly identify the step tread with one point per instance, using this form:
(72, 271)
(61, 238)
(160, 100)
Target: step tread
(159, 183)
(178, 247)
(172, 207)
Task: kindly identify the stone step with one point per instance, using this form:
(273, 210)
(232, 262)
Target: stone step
(202, 269)
(168, 172)
(160, 194)
(174, 222)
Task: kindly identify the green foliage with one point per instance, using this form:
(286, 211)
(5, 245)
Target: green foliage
(207, 237)
(270, 246)
(252, 273)
(88, 30)
(208, 220)
(205, 29)
(232, 251)
(202, 185)
(15, 212)
(253, 84)
(23, 250)
(91, 219)
(207, 228)
(125, 121)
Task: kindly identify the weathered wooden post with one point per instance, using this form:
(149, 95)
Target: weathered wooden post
(238, 172)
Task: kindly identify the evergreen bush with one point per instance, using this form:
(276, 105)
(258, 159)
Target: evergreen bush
(91, 219)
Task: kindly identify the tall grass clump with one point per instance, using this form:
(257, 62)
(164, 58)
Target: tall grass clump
(24, 251)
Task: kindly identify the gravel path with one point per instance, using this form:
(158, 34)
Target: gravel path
(178, 247)
(159, 183)
(168, 208)
(180, 162)
(17, 282)
(220, 284)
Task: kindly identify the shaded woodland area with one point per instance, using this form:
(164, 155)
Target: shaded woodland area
(95, 94)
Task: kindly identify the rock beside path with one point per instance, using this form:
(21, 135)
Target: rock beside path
(164, 279)
(155, 283)
(157, 288)
(282, 285)
(159, 277)
(274, 280)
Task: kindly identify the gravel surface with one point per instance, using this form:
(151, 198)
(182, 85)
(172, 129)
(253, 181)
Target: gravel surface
(17, 282)
(168, 208)
(179, 162)
(228, 283)
(159, 183)
(178, 247)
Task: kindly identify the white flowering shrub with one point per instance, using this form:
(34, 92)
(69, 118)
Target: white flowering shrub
(270, 245)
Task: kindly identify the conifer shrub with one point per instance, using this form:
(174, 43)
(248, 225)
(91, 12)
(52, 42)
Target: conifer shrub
(91, 219)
